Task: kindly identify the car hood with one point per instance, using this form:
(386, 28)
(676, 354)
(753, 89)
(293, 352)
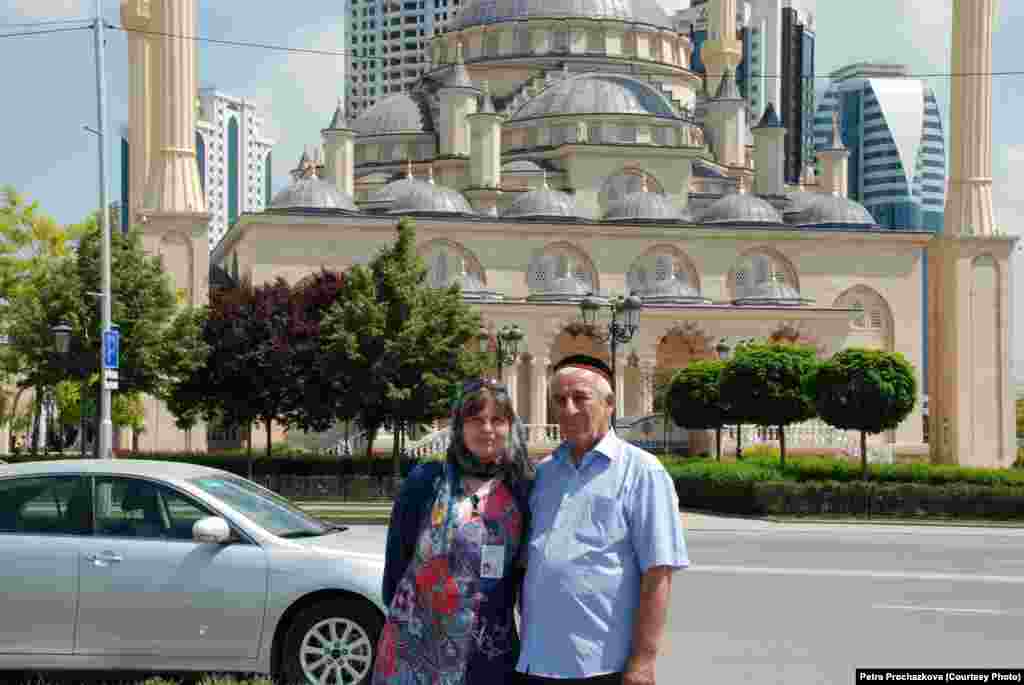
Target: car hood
(337, 545)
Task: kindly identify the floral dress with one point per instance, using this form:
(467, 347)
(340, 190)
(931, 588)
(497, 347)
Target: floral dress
(451, 618)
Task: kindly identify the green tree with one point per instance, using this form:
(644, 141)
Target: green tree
(865, 390)
(764, 384)
(396, 343)
(695, 400)
(1020, 417)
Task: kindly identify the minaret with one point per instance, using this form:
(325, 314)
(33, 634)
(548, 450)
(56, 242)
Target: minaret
(835, 163)
(173, 184)
(173, 218)
(970, 388)
(339, 151)
(485, 156)
(722, 51)
(458, 100)
(770, 154)
(727, 118)
(143, 131)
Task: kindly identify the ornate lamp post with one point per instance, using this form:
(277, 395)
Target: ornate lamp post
(506, 345)
(617, 331)
(62, 338)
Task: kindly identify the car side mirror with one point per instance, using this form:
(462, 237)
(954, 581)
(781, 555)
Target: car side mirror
(212, 529)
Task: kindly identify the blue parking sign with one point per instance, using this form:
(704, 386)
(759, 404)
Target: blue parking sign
(111, 349)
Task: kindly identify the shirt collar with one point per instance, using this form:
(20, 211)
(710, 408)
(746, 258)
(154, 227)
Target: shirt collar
(610, 446)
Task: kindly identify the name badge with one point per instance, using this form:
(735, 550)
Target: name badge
(492, 561)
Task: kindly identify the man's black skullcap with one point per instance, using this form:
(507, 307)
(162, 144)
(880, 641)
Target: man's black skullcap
(585, 361)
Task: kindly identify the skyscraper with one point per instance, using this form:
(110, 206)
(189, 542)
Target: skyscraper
(893, 129)
(389, 45)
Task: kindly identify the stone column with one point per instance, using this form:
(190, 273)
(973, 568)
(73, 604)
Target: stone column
(647, 384)
(137, 16)
(969, 203)
(510, 377)
(539, 407)
(173, 185)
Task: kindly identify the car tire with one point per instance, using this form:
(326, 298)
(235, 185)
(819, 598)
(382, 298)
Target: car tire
(332, 642)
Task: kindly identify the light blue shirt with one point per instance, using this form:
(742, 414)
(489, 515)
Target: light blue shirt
(595, 531)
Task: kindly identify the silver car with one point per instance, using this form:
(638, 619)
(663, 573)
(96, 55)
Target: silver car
(162, 566)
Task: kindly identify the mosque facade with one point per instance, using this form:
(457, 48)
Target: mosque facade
(561, 148)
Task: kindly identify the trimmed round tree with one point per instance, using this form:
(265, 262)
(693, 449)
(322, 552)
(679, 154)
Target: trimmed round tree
(694, 401)
(865, 390)
(764, 385)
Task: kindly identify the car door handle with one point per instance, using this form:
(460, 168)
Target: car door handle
(104, 558)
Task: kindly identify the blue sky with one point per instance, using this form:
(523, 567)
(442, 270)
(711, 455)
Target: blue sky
(50, 85)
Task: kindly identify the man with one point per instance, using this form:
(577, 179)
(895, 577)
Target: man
(605, 538)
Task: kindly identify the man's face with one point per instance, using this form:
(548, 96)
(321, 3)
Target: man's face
(583, 414)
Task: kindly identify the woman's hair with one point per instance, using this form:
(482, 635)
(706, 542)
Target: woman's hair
(515, 464)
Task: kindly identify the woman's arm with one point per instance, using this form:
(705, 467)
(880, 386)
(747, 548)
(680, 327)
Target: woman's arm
(407, 516)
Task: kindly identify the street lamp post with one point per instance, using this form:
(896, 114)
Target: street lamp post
(725, 352)
(506, 345)
(617, 331)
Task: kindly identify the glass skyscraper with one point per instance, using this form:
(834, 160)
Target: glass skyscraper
(892, 126)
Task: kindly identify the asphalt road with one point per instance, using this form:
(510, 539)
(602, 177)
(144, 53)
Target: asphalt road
(809, 603)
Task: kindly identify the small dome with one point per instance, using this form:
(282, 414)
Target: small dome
(833, 210)
(772, 293)
(411, 195)
(646, 206)
(398, 113)
(596, 94)
(740, 208)
(307, 191)
(479, 12)
(542, 203)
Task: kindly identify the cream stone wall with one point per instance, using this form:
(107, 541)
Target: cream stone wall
(824, 266)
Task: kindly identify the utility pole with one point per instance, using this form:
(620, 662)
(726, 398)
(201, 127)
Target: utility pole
(106, 426)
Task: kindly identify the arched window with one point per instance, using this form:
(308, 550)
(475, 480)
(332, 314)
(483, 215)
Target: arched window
(561, 271)
(765, 276)
(233, 145)
(871, 326)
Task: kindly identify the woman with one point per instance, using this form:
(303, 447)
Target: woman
(453, 568)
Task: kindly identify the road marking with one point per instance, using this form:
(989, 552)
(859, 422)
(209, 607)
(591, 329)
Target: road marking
(858, 573)
(944, 610)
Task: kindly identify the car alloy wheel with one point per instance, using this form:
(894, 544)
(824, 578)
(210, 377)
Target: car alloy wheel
(333, 643)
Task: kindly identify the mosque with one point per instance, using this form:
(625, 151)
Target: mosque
(561, 148)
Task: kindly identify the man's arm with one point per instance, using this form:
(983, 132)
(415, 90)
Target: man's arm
(649, 625)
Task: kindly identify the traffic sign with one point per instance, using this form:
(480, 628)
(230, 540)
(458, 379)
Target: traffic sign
(111, 349)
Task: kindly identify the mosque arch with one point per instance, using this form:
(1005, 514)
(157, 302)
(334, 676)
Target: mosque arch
(629, 179)
(561, 260)
(683, 265)
(874, 326)
(759, 264)
(441, 274)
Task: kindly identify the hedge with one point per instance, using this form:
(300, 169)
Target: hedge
(856, 498)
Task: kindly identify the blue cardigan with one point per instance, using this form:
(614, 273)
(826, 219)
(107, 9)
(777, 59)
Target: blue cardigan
(410, 511)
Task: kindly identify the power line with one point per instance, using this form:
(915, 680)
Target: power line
(352, 54)
(45, 32)
(47, 22)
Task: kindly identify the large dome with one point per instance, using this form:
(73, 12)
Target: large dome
(646, 206)
(597, 94)
(399, 113)
(312, 193)
(477, 12)
(411, 195)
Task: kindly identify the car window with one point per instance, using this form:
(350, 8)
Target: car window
(137, 508)
(46, 505)
(271, 511)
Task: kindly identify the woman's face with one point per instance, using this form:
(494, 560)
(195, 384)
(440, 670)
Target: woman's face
(486, 433)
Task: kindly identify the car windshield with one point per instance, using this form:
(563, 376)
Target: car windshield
(268, 509)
